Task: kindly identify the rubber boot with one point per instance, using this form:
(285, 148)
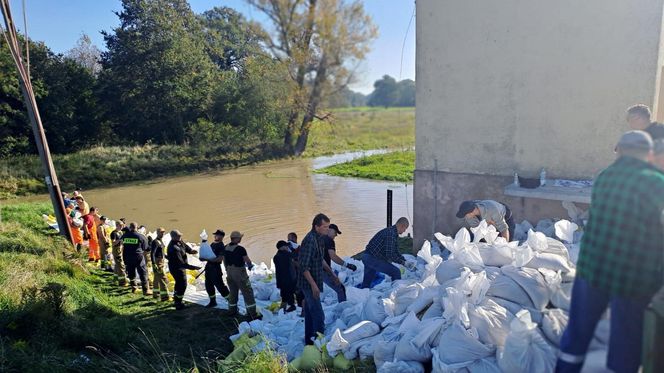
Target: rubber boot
(213, 302)
(147, 291)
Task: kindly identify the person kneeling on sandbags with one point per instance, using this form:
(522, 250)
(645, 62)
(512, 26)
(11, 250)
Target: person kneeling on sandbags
(178, 265)
(235, 259)
(286, 276)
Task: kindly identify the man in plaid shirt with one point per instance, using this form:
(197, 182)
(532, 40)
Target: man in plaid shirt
(620, 263)
(383, 250)
(311, 265)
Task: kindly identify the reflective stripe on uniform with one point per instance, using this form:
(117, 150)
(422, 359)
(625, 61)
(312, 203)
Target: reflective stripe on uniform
(571, 359)
(232, 305)
(251, 305)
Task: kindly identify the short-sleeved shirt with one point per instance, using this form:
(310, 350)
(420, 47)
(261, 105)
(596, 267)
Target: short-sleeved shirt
(328, 244)
(234, 255)
(218, 250)
(491, 211)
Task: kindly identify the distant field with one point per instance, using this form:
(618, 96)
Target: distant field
(397, 166)
(363, 128)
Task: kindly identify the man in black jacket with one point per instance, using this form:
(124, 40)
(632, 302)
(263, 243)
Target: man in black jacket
(134, 244)
(213, 275)
(178, 265)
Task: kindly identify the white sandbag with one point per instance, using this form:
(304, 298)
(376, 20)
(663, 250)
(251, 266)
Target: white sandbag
(337, 343)
(432, 261)
(565, 230)
(537, 241)
(497, 255)
(367, 346)
(521, 230)
(487, 365)
(416, 344)
(374, 309)
(514, 308)
(560, 293)
(205, 251)
(355, 295)
(556, 247)
(492, 322)
(352, 315)
(554, 323)
(458, 344)
(484, 231)
(549, 261)
(424, 299)
(525, 348)
(462, 249)
(545, 226)
(403, 297)
(361, 330)
(522, 255)
(401, 367)
(384, 352)
(505, 287)
(532, 282)
(448, 270)
(435, 310)
(455, 307)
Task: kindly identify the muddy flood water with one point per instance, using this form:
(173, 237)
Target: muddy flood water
(264, 202)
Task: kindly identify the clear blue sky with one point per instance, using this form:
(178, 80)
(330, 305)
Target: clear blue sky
(59, 23)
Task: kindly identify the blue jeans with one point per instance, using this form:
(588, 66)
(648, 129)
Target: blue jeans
(314, 317)
(588, 305)
(339, 289)
(373, 265)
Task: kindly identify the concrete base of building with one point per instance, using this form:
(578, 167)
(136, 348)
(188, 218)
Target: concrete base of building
(437, 196)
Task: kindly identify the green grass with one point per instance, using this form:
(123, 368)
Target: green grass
(396, 166)
(353, 129)
(348, 130)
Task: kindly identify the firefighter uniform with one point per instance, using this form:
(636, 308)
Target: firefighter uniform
(160, 283)
(177, 266)
(133, 246)
(118, 261)
(238, 280)
(214, 276)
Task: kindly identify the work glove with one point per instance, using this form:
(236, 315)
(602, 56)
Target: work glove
(204, 236)
(351, 266)
(411, 266)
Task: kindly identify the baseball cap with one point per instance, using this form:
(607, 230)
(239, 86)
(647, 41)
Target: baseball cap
(637, 140)
(465, 208)
(335, 228)
(219, 232)
(281, 244)
(236, 234)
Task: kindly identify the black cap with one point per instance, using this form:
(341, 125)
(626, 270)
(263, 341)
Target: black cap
(335, 228)
(281, 244)
(219, 232)
(465, 208)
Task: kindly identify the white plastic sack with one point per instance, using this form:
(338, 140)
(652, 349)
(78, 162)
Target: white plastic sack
(361, 330)
(559, 292)
(492, 322)
(554, 323)
(448, 270)
(374, 310)
(525, 349)
(458, 345)
(401, 367)
(403, 297)
(514, 308)
(565, 230)
(505, 288)
(462, 249)
(485, 232)
(537, 241)
(416, 344)
(366, 347)
(424, 299)
(205, 252)
(545, 226)
(488, 365)
(435, 310)
(497, 255)
(384, 352)
(432, 261)
(549, 261)
(532, 282)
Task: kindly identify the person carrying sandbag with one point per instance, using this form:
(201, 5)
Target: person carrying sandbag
(214, 277)
(383, 250)
(235, 260)
(178, 266)
(160, 282)
(620, 262)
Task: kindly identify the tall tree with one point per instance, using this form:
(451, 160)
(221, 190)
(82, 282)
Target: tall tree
(158, 79)
(86, 54)
(386, 92)
(320, 41)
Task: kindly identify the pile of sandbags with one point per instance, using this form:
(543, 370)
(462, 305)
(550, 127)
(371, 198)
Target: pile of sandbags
(491, 306)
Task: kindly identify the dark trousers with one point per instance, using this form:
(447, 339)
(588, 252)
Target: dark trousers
(373, 265)
(135, 262)
(180, 277)
(288, 295)
(509, 219)
(338, 288)
(588, 305)
(314, 317)
(214, 279)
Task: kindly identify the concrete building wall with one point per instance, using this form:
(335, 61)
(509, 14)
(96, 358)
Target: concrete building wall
(520, 85)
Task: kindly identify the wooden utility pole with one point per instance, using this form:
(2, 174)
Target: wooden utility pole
(51, 179)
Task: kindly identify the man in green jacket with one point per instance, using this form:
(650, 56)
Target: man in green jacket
(620, 262)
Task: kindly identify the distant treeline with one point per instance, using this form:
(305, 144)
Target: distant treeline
(170, 76)
(387, 93)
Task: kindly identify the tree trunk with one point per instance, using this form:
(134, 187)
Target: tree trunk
(312, 107)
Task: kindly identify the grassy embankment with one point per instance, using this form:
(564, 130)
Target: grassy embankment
(397, 166)
(348, 130)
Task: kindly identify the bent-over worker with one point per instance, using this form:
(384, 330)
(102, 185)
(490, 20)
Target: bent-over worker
(495, 213)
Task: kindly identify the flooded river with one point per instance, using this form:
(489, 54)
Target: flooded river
(264, 202)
